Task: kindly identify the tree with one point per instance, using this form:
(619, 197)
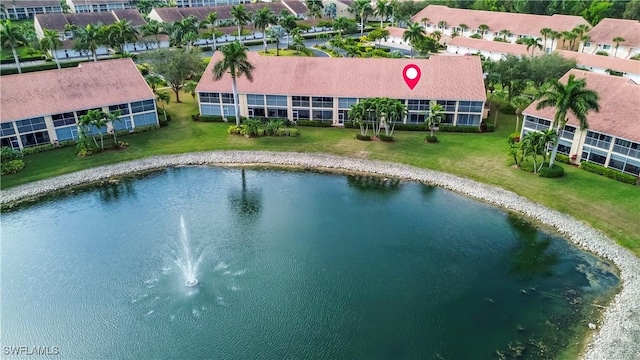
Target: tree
(166, 99)
(546, 33)
(617, 40)
(519, 103)
(298, 43)
(383, 10)
(548, 67)
(288, 23)
(275, 33)
(597, 10)
(394, 111)
(357, 114)
(65, 7)
(483, 29)
(240, 17)
(363, 9)
(175, 66)
(463, 27)
(533, 145)
(261, 20)
(532, 44)
(120, 33)
(434, 115)
(330, 11)
(210, 21)
(436, 35)
(573, 97)
(92, 118)
(632, 10)
(315, 8)
(342, 24)
(426, 46)
(190, 87)
(235, 63)
(153, 28)
(90, 38)
(51, 42)
(111, 118)
(12, 37)
(442, 25)
(154, 81)
(183, 31)
(554, 35)
(414, 34)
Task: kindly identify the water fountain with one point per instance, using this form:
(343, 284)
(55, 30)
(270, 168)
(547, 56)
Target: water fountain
(186, 263)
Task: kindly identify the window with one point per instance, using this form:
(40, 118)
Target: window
(448, 105)
(532, 122)
(145, 119)
(123, 108)
(30, 125)
(418, 105)
(210, 109)
(278, 113)
(300, 100)
(322, 102)
(255, 99)
(587, 44)
(303, 114)
(226, 98)
(564, 147)
(568, 132)
(256, 111)
(594, 155)
(322, 115)
(67, 133)
(276, 100)
(447, 119)
(345, 103)
(63, 119)
(470, 106)
(7, 129)
(468, 120)
(33, 139)
(415, 118)
(140, 106)
(206, 97)
(606, 47)
(598, 140)
(629, 148)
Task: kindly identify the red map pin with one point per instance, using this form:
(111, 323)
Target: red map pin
(411, 75)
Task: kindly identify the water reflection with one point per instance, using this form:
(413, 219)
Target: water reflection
(531, 257)
(377, 184)
(248, 202)
(115, 189)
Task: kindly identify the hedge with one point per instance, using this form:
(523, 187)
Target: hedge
(463, 129)
(11, 167)
(385, 138)
(432, 139)
(563, 158)
(11, 60)
(314, 123)
(610, 173)
(207, 118)
(363, 137)
(555, 172)
(45, 66)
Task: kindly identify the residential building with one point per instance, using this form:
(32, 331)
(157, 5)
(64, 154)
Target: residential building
(510, 26)
(494, 50)
(613, 137)
(342, 8)
(44, 107)
(602, 35)
(605, 65)
(199, 3)
(85, 6)
(172, 14)
(324, 89)
(297, 8)
(26, 9)
(395, 36)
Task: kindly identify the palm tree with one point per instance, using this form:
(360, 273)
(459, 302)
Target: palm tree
(153, 28)
(190, 88)
(340, 24)
(424, 21)
(554, 35)
(566, 35)
(210, 20)
(288, 23)
(617, 40)
(276, 33)
(111, 118)
(572, 37)
(235, 63)
(315, 8)
(154, 81)
(519, 103)
(180, 31)
(166, 98)
(414, 34)
(434, 115)
(90, 38)
(12, 37)
(573, 97)
(533, 145)
(363, 9)
(51, 42)
(463, 27)
(298, 43)
(533, 44)
(546, 33)
(262, 19)
(436, 35)
(585, 39)
(382, 10)
(483, 29)
(121, 32)
(240, 17)
(442, 24)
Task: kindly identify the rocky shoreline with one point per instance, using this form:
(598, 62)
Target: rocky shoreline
(618, 337)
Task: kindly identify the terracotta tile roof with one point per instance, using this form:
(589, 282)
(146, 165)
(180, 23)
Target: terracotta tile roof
(492, 46)
(604, 62)
(84, 19)
(395, 31)
(519, 24)
(607, 29)
(28, 3)
(52, 21)
(356, 77)
(132, 15)
(169, 15)
(298, 7)
(90, 85)
(619, 105)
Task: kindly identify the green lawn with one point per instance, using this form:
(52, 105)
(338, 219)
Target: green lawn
(283, 52)
(23, 52)
(605, 204)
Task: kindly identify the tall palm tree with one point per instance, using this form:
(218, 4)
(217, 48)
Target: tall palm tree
(12, 36)
(434, 115)
(463, 27)
(315, 8)
(190, 87)
(164, 97)
(298, 43)
(363, 9)
(90, 38)
(483, 29)
(121, 32)
(154, 81)
(210, 21)
(153, 28)
(617, 40)
(554, 35)
(533, 44)
(566, 35)
(546, 33)
(414, 34)
(382, 10)
(180, 31)
(261, 20)
(235, 63)
(240, 17)
(51, 42)
(442, 24)
(288, 23)
(573, 97)
(340, 24)
(276, 33)
(424, 21)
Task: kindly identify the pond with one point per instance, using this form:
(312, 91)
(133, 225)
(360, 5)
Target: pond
(289, 265)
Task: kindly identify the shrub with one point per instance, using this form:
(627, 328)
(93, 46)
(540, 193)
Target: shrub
(526, 165)
(37, 149)
(363, 137)
(464, 129)
(210, 118)
(8, 154)
(563, 158)
(514, 138)
(11, 166)
(476, 36)
(314, 123)
(490, 128)
(234, 130)
(604, 53)
(143, 68)
(411, 127)
(431, 139)
(288, 132)
(325, 23)
(554, 172)
(233, 119)
(385, 138)
(140, 129)
(610, 173)
(635, 57)
(508, 109)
